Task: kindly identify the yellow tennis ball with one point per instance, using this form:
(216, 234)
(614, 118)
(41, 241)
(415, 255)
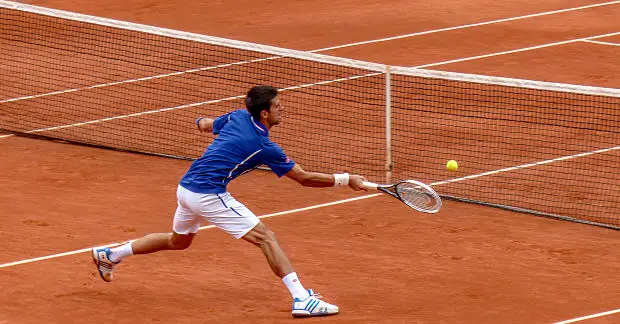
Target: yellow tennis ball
(452, 165)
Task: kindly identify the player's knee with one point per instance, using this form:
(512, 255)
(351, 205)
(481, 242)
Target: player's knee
(179, 244)
(260, 235)
(269, 237)
(266, 236)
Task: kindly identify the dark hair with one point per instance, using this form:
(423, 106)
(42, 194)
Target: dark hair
(259, 99)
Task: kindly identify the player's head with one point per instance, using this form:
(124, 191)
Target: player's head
(263, 104)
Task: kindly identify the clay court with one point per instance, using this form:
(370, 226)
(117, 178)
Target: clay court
(378, 260)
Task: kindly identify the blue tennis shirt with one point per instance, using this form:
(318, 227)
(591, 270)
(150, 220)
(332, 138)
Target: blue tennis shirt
(241, 146)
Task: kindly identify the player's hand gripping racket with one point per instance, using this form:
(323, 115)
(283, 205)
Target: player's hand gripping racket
(414, 194)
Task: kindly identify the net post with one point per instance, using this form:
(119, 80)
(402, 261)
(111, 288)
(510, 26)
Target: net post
(388, 124)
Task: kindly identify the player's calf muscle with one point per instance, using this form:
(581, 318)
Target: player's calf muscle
(160, 241)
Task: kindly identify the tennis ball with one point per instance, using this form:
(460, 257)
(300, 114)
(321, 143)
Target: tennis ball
(452, 165)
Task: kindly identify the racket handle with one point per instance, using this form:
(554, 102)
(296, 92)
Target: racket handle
(370, 185)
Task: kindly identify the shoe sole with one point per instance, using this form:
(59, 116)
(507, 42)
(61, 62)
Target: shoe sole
(301, 314)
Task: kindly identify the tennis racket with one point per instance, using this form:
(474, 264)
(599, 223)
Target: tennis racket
(414, 194)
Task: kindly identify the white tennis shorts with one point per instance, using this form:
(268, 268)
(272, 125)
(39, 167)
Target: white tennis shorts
(221, 210)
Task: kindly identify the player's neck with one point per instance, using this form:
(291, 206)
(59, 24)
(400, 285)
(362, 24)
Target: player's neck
(266, 123)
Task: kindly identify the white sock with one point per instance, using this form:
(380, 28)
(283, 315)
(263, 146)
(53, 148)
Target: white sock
(118, 253)
(294, 286)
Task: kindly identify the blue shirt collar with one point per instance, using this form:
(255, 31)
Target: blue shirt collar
(260, 127)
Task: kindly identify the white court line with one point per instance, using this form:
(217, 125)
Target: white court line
(8, 135)
(601, 43)
(467, 26)
(5, 265)
(584, 39)
(345, 200)
(589, 316)
(312, 51)
(523, 166)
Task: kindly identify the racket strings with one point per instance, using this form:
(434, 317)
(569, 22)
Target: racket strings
(417, 198)
(415, 195)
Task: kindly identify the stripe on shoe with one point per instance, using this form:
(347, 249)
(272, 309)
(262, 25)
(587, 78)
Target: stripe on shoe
(311, 305)
(315, 305)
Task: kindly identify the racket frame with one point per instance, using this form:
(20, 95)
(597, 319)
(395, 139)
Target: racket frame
(391, 190)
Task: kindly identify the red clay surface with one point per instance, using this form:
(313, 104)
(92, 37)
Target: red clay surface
(375, 258)
(380, 262)
(612, 39)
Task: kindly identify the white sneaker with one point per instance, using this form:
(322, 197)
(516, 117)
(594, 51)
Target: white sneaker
(313, 306)
(101, 257)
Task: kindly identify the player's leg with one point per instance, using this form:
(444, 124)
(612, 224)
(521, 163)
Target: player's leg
(237, 220)
(159, 242)
(107, 258)
(305, 302)
(185, 226)
(265, 239)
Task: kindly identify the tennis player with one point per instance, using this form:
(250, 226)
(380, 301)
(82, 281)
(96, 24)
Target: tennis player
(241, 145)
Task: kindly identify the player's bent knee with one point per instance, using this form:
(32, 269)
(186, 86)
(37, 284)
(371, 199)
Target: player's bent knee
(268, 237)
(260, 235)
(180, 245)
(180, 242)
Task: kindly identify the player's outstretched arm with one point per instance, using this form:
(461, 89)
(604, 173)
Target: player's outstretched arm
(205, 125)
(315, 179)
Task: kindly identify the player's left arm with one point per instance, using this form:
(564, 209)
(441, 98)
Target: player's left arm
(204, 124)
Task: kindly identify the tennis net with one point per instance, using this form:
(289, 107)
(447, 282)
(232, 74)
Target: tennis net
(536, 147)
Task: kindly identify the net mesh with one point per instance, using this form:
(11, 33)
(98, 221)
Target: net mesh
(573, 137)
(139, 88)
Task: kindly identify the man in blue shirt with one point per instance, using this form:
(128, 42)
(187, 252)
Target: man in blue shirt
(242, 144)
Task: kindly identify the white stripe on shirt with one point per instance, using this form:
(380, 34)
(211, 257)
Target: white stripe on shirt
(253, 122)
(242, 162)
